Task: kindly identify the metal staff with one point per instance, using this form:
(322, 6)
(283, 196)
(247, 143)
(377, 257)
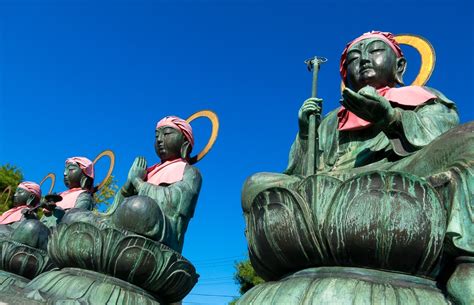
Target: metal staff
(313, 138)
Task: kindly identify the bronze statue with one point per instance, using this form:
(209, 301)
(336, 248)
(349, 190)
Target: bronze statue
(390, 203)
(23, 240)
(173, 184)
(79, 179)
(26, 197)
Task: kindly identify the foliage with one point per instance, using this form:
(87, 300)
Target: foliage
(103, 196)
(246, 277)
(9, 176)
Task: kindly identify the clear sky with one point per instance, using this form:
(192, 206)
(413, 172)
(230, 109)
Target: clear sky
(78, 77)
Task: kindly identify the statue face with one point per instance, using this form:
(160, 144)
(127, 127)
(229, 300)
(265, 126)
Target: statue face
(21, 196)
(168, 142)
(72, 175)
(371, 62)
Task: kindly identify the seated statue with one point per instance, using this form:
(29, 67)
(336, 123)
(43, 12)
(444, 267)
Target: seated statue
(393, 188)
(27, 196)
(20, 223)
(23, 239)
(79, 179)
(173, 185)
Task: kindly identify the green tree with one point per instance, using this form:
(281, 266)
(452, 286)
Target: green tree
(10, 176)
(103, 197)
(246, 277)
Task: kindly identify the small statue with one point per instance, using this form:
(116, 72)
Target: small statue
(393, 191)
(27, 196)
(173, 184)
(23, 239)
(79, 179)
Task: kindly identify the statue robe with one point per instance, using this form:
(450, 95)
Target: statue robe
(419, 143)
(175, 186)
(12, 215)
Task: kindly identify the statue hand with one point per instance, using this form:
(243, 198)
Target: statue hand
(310, 106)
(368, 105)
(29, 213)
(138, 169)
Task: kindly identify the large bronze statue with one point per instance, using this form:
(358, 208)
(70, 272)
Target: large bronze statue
(388, 216)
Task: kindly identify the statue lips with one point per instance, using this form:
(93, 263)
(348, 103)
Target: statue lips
(367, 73)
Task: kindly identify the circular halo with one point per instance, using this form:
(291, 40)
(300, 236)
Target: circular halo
(215, 129)
(9, 190)
(427, 53)
(111, 156)
(53, 180)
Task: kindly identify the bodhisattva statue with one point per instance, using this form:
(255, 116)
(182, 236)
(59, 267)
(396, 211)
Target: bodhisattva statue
(27, 196)
(20, 223)
(173, 184)
(388, 216)
(23, 240)
(79, 179)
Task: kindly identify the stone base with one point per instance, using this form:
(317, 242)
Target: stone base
(345, 285)
(78, 286)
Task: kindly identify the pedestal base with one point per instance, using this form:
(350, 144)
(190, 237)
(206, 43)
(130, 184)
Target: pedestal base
(78, 286)
(11, 282)
(345, 285)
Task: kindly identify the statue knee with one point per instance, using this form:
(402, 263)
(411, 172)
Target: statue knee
(461, 283)
(33, 233)
(257, 183)
(141, 215)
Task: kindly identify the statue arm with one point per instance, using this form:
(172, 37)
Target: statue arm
(414, 129)
(85, 201)
(177, 200)
(327, 132)
(174, 197)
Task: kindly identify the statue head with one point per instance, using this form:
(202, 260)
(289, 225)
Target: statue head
(28, 193)
(173, 139)
(79, 173)
(374, 59)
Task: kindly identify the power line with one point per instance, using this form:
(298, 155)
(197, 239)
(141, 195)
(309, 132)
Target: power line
(214, 295)
(219, 259)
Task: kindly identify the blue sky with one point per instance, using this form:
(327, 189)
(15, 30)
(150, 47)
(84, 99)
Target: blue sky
(78, 77)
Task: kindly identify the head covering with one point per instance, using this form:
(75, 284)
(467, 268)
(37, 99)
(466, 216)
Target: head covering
(85, 164)
(179, 124)
(386, 37)
(31, 187)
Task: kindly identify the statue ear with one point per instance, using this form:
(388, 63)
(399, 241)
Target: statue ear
(401, 67)
(185, 149)
(85, 182)
(31, 199)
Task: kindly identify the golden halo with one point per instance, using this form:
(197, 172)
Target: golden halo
(215, 129)
(427, 53)
(53, 180)
(111, 156)
(9, 190)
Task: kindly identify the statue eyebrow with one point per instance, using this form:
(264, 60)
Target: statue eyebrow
(376, 41)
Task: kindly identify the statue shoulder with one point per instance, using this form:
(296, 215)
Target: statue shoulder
(439, 95)
(192, 172)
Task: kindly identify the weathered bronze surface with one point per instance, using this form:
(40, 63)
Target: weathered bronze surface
(128, 255)
(393, 194)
